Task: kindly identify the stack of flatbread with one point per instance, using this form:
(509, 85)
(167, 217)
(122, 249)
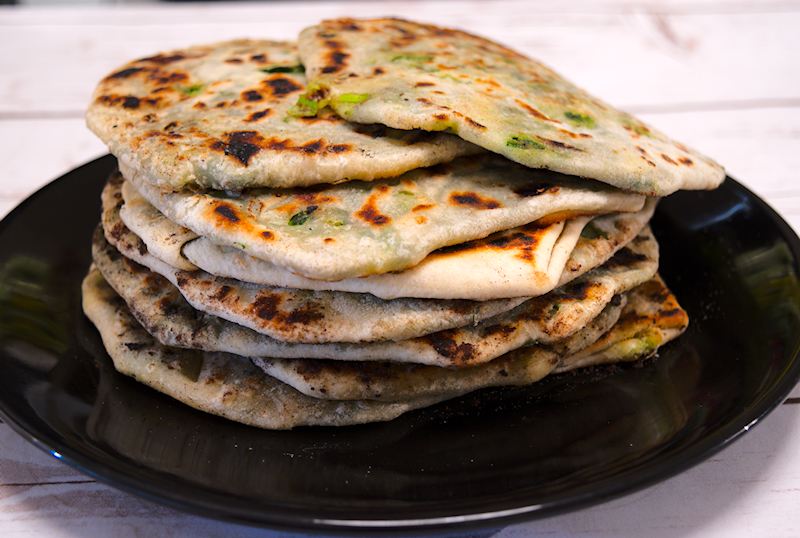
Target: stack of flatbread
(379, 217)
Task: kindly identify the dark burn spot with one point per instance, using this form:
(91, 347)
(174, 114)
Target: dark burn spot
(259, 58)
(473, 200)
(241, 145)
(267, 235)
(161, 59)
(125, 73)
(371, 214)
(557, 145)
(423, 84)
(685, 161)
(377, 71)
(336, 61)
(135, 346)
(523, 242)
(535, 189)
(252, 95)
(474, 123)
(255, 116)
(171, 126)
(625, 257)
(579, 291)
(161, 77)
(315, 147)
(166, 306)
(131, 102)
(221, 293)
(322, 116)
(311, 147)
(667, 158)
(163, 135)
(498, 330)
(280, 86)
(447, 347)
(227, 212)
(267, 308)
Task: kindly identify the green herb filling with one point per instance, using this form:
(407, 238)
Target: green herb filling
(301, 217)
(524, 142)
(580, 120)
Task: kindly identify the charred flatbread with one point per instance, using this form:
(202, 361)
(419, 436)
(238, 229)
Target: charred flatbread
(526, 261)
(233, 387)
(392, 381)
(522, 262)
(214, 116)
(162, 309)
(219, 383)
(358, 228)
(284, 313)
(652, 317)
(409, 75)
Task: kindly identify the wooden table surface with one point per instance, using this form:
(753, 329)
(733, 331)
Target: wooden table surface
(723, 77)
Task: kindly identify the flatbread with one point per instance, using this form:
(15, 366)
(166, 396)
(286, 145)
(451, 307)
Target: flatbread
(164, 311)
(392, 381)
(214, 116)
(527, 261)
(357, 228)
(415, 76)
(164, 238)
(288, 314)
(219, 383)
(651, 318)
(522, 262)
(233, 387)
(303, 316)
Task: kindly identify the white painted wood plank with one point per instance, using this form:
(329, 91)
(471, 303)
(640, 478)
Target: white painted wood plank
(22, 464)
(636, 56)
(29, 160)
(749, 489)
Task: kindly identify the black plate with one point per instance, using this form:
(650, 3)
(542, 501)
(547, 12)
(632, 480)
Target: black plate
(492, 458)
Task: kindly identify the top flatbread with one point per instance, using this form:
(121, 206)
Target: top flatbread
(214, 116)
(415, 76)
